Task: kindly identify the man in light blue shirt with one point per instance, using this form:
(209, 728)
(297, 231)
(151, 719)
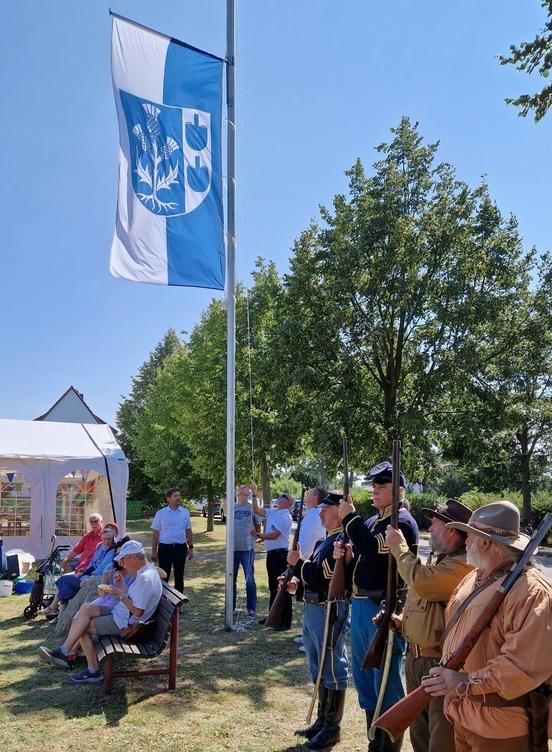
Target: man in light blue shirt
(172, 538)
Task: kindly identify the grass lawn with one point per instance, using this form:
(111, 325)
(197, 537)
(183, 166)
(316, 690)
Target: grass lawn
(246, 690)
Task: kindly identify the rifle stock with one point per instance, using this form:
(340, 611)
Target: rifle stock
(398, 718)
(374, 655)
(274, 616)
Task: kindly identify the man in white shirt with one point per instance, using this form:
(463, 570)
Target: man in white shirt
(312, 529)
(276, 539)
(137, 602)
(172, 538)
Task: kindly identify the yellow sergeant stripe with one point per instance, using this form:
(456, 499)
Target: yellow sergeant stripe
(327, 571)
(382, 548)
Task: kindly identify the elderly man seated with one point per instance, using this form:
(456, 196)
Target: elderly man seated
(135, 602)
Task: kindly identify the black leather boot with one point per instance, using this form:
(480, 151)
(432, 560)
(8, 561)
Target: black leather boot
(330, 732)
(315, 727)
(382, 741)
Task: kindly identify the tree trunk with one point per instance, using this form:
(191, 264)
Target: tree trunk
(265, 480)
(210, 509)
(523, 437)
(390, 409)
(322, 470)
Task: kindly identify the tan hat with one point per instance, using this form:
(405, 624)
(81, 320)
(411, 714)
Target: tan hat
(498, 522)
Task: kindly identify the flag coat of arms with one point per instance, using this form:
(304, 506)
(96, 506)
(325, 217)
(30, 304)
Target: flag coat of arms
(169, 227)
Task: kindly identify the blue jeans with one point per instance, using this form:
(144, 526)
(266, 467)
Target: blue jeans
(367, 681)
(246, 559)
(336, 666)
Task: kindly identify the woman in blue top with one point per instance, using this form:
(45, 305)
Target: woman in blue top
(68, 585)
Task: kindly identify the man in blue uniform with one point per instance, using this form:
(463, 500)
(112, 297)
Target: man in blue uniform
(368, 555)
(316, 574)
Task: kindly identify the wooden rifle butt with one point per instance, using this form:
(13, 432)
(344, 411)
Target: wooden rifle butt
(399, 716)
(338, 584)
(374, 655)
(274, 616)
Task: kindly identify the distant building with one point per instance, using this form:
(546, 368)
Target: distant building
(71, 408)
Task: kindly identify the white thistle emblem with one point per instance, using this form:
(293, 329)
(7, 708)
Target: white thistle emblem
(158, 173)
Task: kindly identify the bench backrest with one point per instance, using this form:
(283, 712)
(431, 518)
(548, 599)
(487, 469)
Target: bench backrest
(171, 599)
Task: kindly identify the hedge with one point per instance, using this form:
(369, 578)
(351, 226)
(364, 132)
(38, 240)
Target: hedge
(541, 503)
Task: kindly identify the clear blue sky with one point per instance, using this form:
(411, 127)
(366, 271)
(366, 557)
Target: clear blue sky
(319, 83)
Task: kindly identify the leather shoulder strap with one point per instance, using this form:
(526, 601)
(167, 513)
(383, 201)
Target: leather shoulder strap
(493, 577)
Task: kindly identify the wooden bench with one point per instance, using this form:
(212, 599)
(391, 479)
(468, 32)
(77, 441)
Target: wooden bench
(165, 629)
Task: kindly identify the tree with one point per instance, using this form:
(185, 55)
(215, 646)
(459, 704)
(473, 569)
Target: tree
(157, 436)
(270, 410)
(531, 56)
(392, 296)
(131, 407)
(502, 426)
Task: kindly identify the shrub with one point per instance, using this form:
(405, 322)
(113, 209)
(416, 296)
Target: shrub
(365, 507)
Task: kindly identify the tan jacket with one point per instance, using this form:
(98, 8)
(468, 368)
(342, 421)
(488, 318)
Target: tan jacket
(430, 587)
(512, 656)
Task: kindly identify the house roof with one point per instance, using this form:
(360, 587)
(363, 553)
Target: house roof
(79, 395)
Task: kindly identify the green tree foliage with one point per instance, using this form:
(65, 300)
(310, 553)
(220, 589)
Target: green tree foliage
(130, 409)
(273, 418)
(502, 426)
(182, 419)
(410, 310)
(392, 295)
(534, 56)
(158, 438)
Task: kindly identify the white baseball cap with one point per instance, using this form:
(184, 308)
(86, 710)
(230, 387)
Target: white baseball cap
(130, 547)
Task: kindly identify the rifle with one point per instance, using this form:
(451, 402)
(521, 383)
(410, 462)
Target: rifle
(399, 717)
(337, 589)
(376, 649)
(275, 614)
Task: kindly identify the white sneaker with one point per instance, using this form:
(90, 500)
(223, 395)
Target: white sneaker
(302, 649)
(298, 640)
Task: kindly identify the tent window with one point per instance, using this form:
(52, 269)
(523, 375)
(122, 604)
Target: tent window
(79, 495)
(15, 504)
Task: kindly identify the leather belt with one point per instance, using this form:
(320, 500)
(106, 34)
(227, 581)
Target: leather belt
(419, 652)
(313, 598)
(375, 595)
(493, 700)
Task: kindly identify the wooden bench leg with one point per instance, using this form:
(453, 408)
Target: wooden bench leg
(173, 649)
(108, 674)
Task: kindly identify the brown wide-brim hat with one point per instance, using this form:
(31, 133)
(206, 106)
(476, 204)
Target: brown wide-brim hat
(497, 522)
(451, 511)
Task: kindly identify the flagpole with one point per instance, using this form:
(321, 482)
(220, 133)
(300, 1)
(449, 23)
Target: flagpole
(231, 306)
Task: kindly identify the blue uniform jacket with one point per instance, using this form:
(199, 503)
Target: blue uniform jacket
(371, 554)
(316, 572)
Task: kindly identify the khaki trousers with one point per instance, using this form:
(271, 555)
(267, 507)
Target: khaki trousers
(430, 732)
(468, 742)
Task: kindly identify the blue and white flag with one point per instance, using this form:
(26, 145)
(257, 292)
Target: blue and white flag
(169, 228)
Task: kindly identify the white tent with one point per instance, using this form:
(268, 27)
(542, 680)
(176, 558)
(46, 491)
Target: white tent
(53, 476)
